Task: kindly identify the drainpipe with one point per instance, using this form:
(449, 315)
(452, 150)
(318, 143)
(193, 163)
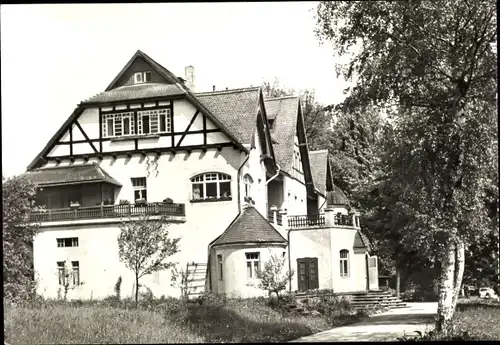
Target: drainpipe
(238, 178)
(277, 173)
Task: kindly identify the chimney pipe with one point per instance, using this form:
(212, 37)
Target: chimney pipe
(189, 73)
(213, 88)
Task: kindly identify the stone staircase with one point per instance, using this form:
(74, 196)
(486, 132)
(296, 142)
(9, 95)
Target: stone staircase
(372, 299)
(197, 277)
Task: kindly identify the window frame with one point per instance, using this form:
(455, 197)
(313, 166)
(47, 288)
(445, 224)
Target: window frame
(118, 119)
(142, 189)
(62, 242)
(344, 263)
(252, 264)
(60, 272)
(220, 267)
(75, 272)
(162, 117)
(143, 76)
(248, 182)
(207, 178)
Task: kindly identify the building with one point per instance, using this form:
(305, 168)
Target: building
(230, 169)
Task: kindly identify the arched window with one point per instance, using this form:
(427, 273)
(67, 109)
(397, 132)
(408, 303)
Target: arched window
(344, 263)
(211, 186)
(248, 181)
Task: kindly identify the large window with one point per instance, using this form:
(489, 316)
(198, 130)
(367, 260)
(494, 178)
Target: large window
(154, 121)
(344, 263)
(211, 185)
(253, 263)
(117, 125)
(140, 190)
(67, 242)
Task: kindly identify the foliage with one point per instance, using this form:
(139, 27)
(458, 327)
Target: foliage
(144, 246)
(18, 197)
(273, 278)
(68, 282)
(434, 64)
(182, 279)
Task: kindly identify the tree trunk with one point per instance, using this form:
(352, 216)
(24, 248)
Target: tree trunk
(398, 282)
(136, 289)
(459, 270)
(452, 269)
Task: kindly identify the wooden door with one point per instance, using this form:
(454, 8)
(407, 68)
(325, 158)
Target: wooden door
(307, 274)
(373, 273)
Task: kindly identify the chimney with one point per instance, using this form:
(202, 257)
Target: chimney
(213, 88)
(189, 73)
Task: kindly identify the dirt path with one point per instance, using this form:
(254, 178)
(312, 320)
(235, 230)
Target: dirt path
(383, 327)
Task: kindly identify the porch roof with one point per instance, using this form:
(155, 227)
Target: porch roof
(249, 227)
(68, 175)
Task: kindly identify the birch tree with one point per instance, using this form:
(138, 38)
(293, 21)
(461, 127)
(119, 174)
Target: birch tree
(435, 63)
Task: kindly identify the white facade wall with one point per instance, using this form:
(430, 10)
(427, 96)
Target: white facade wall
(295, 196)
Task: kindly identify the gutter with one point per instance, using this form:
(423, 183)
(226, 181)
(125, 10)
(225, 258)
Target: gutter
(238, 178)
(276, 175)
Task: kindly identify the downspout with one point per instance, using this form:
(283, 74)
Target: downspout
(238, 178)
(274, 176)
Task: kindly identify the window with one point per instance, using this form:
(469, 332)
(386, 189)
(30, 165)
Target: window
(211, 186)
(116, 125)
(75, 270)
(139, 186)
(142, 77)
(60, 272)
(63, 274)
(271, 123)
(219, 265)
(344, 263)
(67, 242)
(248, 181)
(253, 263)
(154, 121)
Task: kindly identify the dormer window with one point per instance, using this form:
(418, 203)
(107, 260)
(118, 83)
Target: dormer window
(142, 77)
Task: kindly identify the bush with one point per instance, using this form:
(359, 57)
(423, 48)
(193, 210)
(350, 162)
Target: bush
(212, 299)
(456, 335)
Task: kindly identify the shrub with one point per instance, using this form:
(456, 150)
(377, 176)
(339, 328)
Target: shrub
(118, 287)
(455, 335)
(212, 299)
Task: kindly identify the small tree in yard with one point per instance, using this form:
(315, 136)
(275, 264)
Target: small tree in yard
(272, 277)
(182, 279)
(144, 246)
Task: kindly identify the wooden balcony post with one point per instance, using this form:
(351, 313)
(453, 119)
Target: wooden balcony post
(76, 213)
(329, 217)
(50, 214)
(102, 211)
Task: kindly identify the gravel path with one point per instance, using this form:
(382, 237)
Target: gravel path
(382, 327)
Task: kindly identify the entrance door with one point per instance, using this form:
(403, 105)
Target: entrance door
(307, 269)
(373, 273)
(367, 270)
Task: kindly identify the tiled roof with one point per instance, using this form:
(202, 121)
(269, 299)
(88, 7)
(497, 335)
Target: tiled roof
(337, 197)
(361, 241)
(71, 175)
(318, 161)
(137, 91)
(250, 227)
(284, 110)
(236, 109)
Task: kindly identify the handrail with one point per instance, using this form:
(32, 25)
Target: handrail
(107, 211)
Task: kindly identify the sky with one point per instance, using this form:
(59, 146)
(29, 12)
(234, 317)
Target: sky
(53, 56)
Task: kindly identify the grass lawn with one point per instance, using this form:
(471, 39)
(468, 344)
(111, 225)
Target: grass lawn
(480, 318)
(234, 321)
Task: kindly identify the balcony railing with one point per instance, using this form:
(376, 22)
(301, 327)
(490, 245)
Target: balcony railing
(270, 216)
(107, 211)
(306, 221)
(279, 219)
(319, 220)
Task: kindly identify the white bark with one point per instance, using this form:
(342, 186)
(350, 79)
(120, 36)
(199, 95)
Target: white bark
(452, 270)
(446, 289)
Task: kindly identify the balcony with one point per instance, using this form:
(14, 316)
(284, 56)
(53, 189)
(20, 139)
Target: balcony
(320, 220)
(107, 211)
